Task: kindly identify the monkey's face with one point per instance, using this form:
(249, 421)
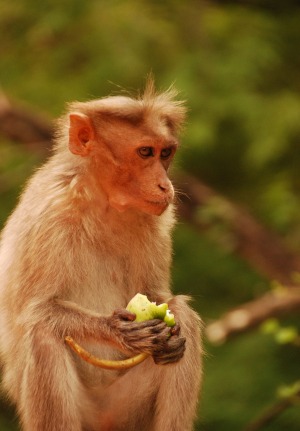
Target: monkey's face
(130, 162)
(137, 178)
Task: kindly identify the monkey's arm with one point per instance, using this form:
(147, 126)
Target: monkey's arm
(65, 318)
(171, 351)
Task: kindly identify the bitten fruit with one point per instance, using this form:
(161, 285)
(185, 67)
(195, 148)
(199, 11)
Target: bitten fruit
(147, 310)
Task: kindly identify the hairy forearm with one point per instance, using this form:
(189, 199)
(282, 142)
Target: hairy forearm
(68, 318)
(62, 318)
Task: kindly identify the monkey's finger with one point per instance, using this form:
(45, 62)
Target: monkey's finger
(156, 325)
(175, 344)
(168, 359)
(153, 343)
(153, 334)
(161, 337)
(167, 355)
(176, 341)
(175, 330)
(171, 347)
(124, 314)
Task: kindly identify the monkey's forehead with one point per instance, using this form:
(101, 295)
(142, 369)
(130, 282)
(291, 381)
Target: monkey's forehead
(153, 132)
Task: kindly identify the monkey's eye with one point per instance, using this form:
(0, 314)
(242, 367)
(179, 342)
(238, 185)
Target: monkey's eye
(165, 153)
(146, 152)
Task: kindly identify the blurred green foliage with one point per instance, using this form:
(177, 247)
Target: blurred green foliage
(238, 66)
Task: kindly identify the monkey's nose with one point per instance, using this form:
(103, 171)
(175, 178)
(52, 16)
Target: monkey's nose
(163, 187)
(164, 184)
(167, 189)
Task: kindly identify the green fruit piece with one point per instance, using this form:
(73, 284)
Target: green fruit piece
(160, 310)
(141, 307)
(169, 318)
(147, 310)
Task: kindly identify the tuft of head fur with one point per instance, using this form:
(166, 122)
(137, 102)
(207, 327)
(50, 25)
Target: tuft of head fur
(151, 104)
(165, 103)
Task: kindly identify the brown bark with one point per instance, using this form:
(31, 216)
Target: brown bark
(20, 124)
(260, 247)
(251, 314)
(269, 415)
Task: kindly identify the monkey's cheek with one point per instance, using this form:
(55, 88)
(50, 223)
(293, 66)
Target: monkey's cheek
(120, 203)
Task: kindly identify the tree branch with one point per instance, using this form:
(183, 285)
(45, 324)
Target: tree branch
(259, 246)
(272, 413)
(251, 314)
(20, 124)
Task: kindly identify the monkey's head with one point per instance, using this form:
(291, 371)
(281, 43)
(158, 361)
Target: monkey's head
(128, 145)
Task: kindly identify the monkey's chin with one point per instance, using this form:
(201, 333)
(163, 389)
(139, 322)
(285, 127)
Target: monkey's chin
(155, 208)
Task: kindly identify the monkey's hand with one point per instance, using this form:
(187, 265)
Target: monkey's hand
(148, 337)
(151, 337)
(172, 350)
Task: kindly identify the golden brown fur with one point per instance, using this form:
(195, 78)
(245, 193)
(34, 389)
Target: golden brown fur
(83, 240)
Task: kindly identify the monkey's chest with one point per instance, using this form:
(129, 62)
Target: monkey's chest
(111, 281)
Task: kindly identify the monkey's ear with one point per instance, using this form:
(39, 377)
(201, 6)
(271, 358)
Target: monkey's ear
(81, 134)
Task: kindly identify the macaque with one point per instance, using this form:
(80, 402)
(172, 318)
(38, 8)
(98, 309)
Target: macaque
(93, 228)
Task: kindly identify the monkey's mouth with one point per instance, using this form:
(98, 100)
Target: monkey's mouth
(158, 206)
(163, 203)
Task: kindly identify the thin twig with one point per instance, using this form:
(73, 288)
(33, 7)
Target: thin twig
(262, 248)
(253, 313)
(270, 414)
